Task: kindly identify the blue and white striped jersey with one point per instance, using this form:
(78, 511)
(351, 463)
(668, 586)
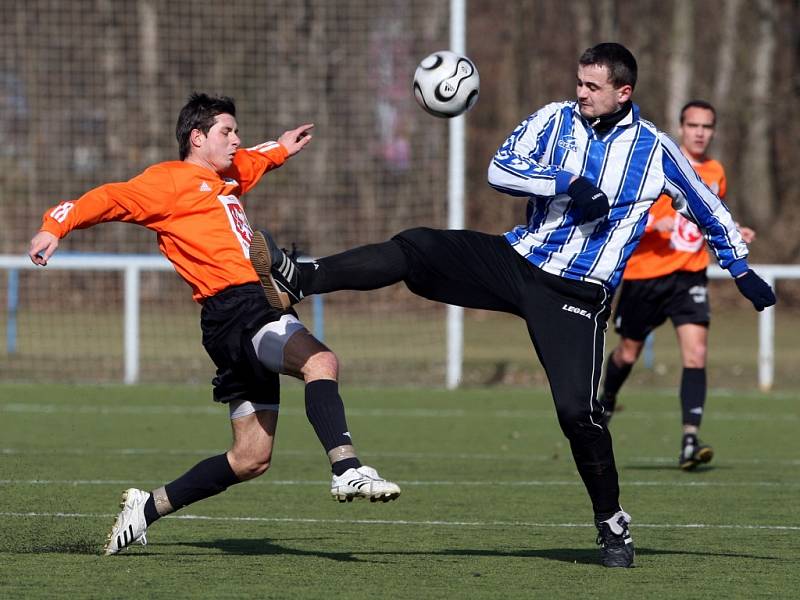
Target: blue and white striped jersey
(633, 163)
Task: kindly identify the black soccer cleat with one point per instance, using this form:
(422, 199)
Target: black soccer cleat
(614, 539)
(279, 273)
(693, 452)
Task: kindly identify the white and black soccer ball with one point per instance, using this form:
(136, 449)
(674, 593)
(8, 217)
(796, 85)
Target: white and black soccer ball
(446, 84)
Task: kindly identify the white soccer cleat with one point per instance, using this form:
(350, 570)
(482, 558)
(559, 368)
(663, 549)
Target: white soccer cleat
(130, 525)
(363, 482)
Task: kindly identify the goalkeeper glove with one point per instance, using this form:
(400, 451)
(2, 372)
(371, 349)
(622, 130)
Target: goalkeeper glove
(590, 200)
(755, 289)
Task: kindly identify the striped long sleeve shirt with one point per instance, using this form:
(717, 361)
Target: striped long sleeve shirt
(633, 163)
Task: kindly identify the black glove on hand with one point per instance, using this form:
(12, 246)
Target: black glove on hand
(589, 199)
(756, 290)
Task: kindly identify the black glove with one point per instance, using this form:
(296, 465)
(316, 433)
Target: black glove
(756, 290)
(590, 200)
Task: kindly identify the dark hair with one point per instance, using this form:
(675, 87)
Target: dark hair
(699, 104)
(619, 61)
(200, 112)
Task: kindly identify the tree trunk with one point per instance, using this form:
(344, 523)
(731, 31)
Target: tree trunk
(726, 53)
(758, 191)
(680, 63)
(150, 52)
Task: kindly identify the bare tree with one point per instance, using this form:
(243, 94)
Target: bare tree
(725, 67)
(149, 58)
(681, 61)
(757, 181)
(609, 24)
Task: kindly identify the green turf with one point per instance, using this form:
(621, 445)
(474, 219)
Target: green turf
(491, 503)
(376, 345)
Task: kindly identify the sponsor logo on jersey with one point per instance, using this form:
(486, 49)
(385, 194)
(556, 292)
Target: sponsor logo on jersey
(204, 187)
(568, 142)
(577, 311)
(238, 222)
(686, 236)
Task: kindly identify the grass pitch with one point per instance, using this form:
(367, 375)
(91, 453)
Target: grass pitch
(491, 508)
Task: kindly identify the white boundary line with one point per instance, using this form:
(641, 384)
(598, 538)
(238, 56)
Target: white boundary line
(438, 483)
(136, 452)
(218, 410)
(407, 522)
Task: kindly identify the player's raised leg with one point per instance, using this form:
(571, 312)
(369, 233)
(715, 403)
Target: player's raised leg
(286, 281)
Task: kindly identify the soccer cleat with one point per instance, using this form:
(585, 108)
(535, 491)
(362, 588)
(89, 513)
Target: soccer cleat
(279, 273)
(363, 482)
(693, 453)
(130, 525)
(614, 538)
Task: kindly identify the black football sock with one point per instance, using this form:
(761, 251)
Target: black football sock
(207, 478)
(615, 377)
(364, 268)
(325, 412)
(150, 513)
(340, 466)
(693, 395)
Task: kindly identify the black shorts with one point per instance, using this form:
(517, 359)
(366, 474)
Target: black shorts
(644, 304)
(229, 320)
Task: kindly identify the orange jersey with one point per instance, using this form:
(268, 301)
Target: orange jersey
(196, 213)
(683, 247)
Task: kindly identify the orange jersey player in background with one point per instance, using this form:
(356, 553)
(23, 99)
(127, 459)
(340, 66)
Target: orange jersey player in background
(666, 278)
(671, 241)
(194, 207)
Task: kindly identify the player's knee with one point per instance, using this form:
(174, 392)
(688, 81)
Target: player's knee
(695, 357)
(627, 354)
(417, 237)
(252, 466)
(572, 418)
(322, 365)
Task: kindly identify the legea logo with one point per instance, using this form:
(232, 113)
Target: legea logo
(568, 142)
(577, 311)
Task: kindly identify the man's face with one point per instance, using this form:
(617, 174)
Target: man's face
(219, 145)
(697, 130)
(597, 96)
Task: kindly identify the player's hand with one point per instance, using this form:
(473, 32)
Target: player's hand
(590, 200)
(748, 235)
(755, 289)
(295, 140)
(42, 247)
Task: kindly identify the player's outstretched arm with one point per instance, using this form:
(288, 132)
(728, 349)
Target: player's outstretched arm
(755, 289)
(43, 245)
(296, 139)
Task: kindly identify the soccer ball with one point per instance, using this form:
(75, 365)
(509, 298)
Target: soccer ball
(446, 84)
